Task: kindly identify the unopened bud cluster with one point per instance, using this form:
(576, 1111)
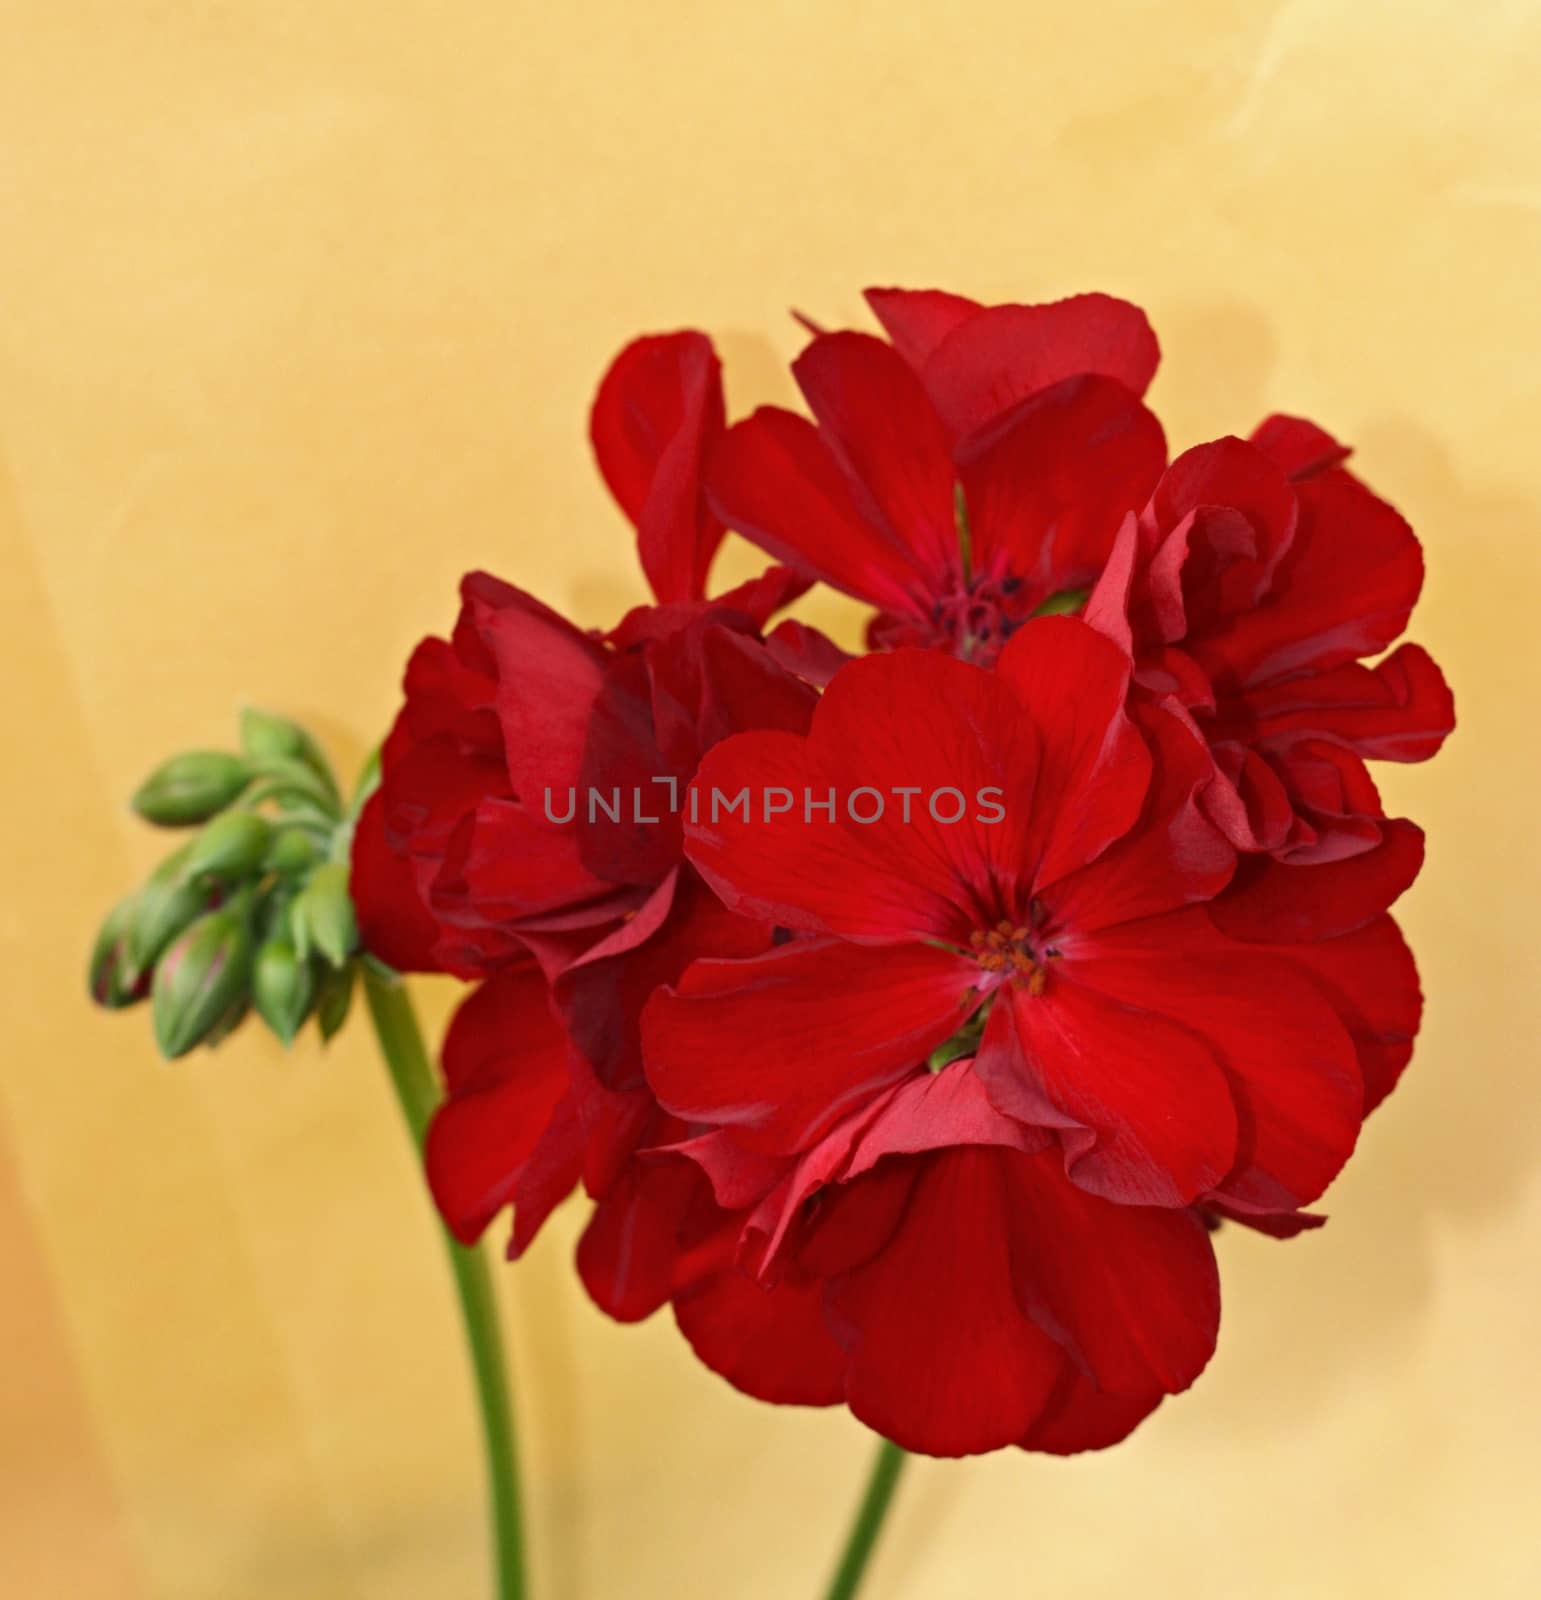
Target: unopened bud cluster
(252, 913)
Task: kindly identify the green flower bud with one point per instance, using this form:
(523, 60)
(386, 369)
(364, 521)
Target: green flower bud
(291, 852)
(231, 847)
(200, 980)
(113, 978)
(190, 788)
(322, 916)
(283, 988)
(266, 739)
(228, 1023)
(333, 999)
(163, 908)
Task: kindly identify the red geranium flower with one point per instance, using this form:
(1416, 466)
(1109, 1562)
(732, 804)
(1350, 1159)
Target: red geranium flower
(960, 478)
(1248, 590)
(1121, 1062)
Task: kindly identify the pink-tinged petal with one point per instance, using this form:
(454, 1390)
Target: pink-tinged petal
(1049, 482)
(1344, 590)
(1080, 1416)
(917, 320)
(1372, 980)
(1172, 857)
(782, 1045)
(773, 479)
(1094, 767)
(1291, 1063)
(1146, 1113)
(549, 677)
(875, 418)
(1107, 607)
(769, 1342)
(1401, 709)
(1271, 902)
(1005, 353)
(656, 418)
(1299, 448)
(934, 1110)
(1131, 1292)
(394, 923)
(505, 1066)
(943, 1360)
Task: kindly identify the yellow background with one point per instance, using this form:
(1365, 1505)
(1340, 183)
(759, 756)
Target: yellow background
(301, 306)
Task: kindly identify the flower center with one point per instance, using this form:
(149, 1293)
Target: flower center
(1009, 952)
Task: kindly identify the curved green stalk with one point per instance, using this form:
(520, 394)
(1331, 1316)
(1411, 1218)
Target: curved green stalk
(417, 1090)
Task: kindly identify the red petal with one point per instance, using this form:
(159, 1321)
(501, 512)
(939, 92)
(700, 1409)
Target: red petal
(1049, 482)
(991, 361)
(771, 1343)
(630, 1254)
(782, 1045)
(1145, 1112)
(505, 1064)
(1293, 1069)
(1083, 1417)
(549, 677)
(774, 481)
(917, 320)
(394, 923)
(1345, 590)
(1300, 447)
(874, 416)
(1171, 857)
(1270, 902)
(943, 1359)
(658, 414)
(1372, 980)
(1401, 709)
(1131, 1292)
(1094, 768)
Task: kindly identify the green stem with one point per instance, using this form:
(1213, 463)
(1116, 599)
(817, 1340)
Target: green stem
(401, 1043)
(882, 1481)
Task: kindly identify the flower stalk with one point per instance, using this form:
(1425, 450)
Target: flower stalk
(870, 1514)
(416, 1092)
(412, 1077)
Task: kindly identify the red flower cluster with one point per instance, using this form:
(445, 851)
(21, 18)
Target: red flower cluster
(912, 1020)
